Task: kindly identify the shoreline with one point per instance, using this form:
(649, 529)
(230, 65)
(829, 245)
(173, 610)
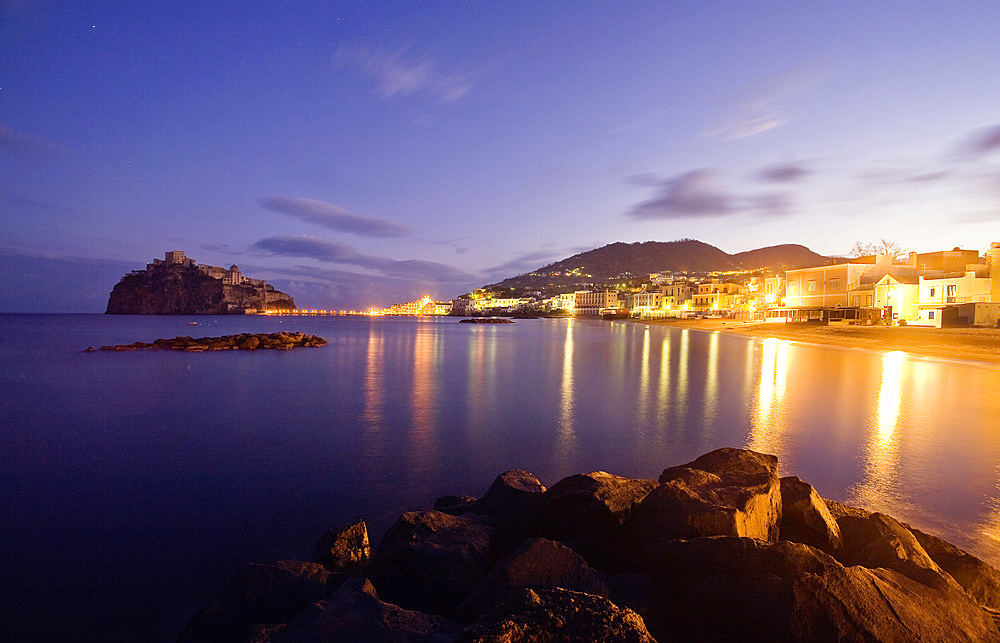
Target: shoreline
(964, 344)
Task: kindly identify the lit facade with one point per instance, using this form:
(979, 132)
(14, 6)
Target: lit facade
(593, 303)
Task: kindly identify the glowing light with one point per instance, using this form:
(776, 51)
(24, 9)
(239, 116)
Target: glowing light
(889, 394)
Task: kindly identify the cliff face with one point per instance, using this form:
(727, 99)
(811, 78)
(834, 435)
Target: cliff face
(184, 290)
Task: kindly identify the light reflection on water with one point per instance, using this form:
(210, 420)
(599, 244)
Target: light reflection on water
(769, 412)
(270, 449)
(567, 436)
(879, 488)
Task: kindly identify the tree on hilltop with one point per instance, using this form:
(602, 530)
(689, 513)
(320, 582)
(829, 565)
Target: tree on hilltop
(881, 247)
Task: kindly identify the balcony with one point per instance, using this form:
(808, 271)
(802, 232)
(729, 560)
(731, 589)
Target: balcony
(930, 302)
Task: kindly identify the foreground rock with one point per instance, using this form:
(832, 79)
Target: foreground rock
(557, 616)
(588, 511)
(354, 612)
(719, 549)
(431, 561)
(259, 599)
(243, 341)
(728, 492)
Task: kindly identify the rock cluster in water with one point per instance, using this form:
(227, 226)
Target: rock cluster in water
(719, 549)
(486, 320)
(243, 341)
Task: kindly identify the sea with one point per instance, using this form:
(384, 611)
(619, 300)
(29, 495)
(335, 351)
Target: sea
(136, 484)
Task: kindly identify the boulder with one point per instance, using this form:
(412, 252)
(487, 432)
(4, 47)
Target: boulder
(345, 549)
(259, 598)
(250, 343)
(431, 561)
(515, 496)
(977, 578)
(645, 595)
(355, 614)
(805, 517)
(514, 500)
(728, 492)
(840, 509)
(538, 564)
(557, 616)
(882, 541)
(742, 589)
(588, 512)
(454, 505)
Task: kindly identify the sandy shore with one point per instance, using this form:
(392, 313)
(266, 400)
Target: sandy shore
(975, 344)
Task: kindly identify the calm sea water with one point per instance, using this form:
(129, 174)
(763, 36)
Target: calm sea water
(135, 484)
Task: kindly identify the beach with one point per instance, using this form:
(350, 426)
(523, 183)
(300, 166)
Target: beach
(973, 344)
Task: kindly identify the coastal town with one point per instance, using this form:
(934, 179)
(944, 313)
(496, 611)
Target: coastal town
(943, 288)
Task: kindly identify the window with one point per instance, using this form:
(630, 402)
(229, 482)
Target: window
(812, 285)
(868, 300)
(932, 294)
(930, 313)
(834, 283)
(951, 291)
(856, 300)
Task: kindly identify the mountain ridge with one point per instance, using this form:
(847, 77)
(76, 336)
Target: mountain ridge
(619, 259)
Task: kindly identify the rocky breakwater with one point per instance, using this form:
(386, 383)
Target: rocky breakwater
(719, 549)
(243, 341)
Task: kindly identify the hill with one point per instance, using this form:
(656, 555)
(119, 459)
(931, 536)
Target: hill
(184, 289)
(619, 260)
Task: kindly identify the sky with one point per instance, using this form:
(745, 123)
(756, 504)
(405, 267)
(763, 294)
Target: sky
(357, 154)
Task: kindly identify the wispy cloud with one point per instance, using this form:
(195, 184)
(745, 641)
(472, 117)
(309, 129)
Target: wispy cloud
(337, 253)
(693, 194)
(28, 146)
(333, 216)
(765, 105)
(642, 122)
(404, 73)
(699, 194)
(981, 142)
(928, 177)
(771, 204)
(787, 173)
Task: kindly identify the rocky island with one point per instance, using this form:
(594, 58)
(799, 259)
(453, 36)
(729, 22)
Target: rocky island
(177, 285)
(718, 549)
(243, 342)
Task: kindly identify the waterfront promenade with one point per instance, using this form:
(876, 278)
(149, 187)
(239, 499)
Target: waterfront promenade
(975, 344)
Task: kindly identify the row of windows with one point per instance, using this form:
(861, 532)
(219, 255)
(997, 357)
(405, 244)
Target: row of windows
(834, 284)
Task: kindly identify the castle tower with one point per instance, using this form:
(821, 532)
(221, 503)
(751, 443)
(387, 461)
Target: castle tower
(174, 257)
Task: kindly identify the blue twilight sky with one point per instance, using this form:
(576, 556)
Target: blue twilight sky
(361, 153)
